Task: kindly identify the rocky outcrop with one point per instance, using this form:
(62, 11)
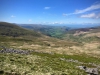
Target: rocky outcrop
(92, 71)
(17, 51)
(89, 71)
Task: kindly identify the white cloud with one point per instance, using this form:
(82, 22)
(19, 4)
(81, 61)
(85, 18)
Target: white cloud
(55, 23)
(91, 15)
(92, 7)
(13, 16)
(67, 23)
(47, 8)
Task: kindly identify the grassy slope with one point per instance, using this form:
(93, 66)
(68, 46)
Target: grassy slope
(9, 29)
(83, 35)
(88, 37)
(44, 64)
(45, 61)
(12, 35)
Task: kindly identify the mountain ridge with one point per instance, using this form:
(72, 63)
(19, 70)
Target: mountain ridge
(61, 31)
(10, 29)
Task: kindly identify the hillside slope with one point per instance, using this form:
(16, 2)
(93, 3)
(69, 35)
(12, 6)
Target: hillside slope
(9, 29)
(71, 43)
(81, 34)
(14, 36)
(81, 31)
(29, 54)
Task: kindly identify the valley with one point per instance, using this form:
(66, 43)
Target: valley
(49, 37)
(48, 55)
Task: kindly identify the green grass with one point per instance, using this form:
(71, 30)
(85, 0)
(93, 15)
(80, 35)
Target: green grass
(9, 29)
(43, 63)
(80, 39)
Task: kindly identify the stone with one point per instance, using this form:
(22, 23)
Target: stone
(92, 71)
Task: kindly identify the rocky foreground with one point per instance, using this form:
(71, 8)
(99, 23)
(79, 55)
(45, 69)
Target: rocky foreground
(11, 50)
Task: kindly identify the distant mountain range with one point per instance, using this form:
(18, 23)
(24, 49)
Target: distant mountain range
(60, 31)
(52, 31)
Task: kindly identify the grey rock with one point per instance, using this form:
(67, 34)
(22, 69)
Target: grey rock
(7, 50)
(92, 71)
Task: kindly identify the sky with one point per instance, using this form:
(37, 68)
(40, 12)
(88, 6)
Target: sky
(50, 11)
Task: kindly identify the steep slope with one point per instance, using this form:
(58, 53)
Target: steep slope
(83, 33)
(88, 37)
(9, 29)
(14, 36)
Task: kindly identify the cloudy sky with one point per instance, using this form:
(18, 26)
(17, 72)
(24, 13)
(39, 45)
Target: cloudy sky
(50, 11)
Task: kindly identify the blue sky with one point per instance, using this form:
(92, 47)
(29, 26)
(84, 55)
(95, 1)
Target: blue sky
(50, 11)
